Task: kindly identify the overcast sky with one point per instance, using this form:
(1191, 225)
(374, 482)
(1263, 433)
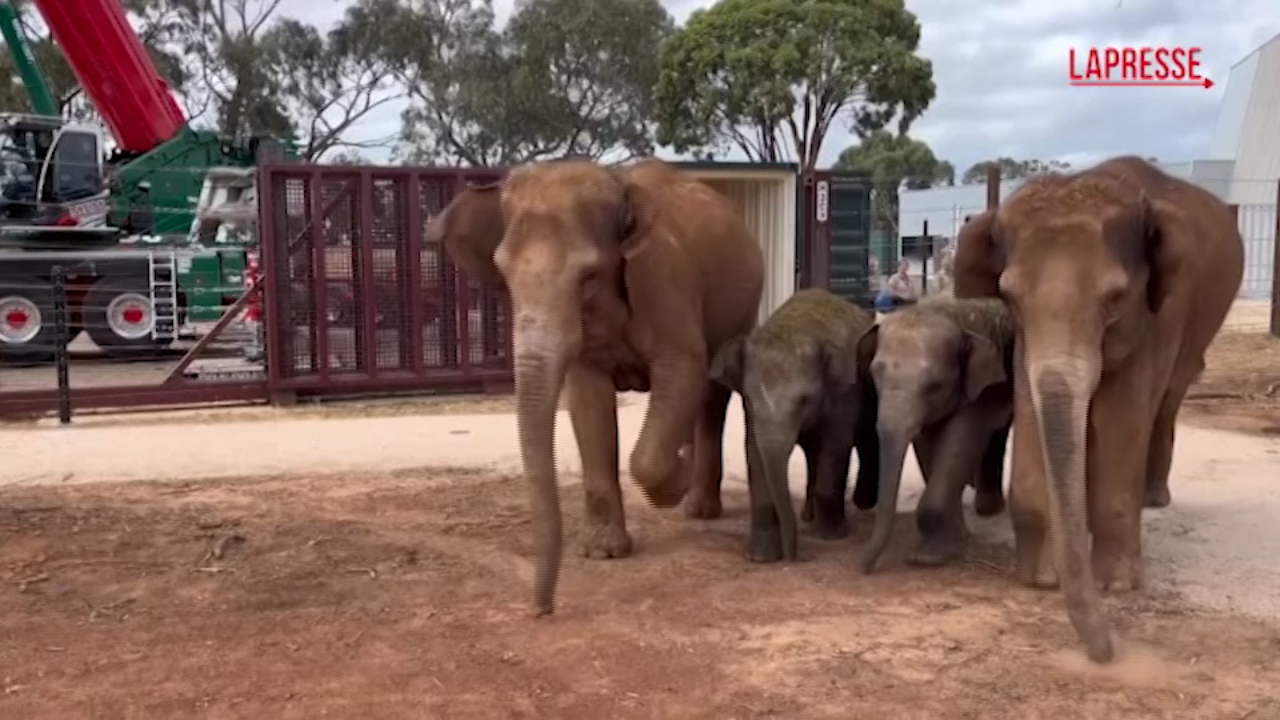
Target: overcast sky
(1001, 71)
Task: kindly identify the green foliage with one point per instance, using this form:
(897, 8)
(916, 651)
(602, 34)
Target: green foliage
(1011, 169)
(329, 82)
(563, 77)
(771, 77)
(224, 45)
(894, 161)
(595, 63)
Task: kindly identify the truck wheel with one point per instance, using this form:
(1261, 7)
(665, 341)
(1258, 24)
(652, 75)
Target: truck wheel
(26, 321)
(119, 317)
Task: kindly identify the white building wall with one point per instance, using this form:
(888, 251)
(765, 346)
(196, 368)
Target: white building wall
(944, 208)
(1235, 105)
(1257, 142)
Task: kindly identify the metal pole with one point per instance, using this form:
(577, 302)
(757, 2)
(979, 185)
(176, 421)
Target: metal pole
(1275, 272)
(924, 259)
(60, 341)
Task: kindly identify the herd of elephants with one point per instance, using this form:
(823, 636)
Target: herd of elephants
(1081, 312)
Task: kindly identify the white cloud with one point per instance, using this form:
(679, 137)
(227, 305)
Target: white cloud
(1001, 72)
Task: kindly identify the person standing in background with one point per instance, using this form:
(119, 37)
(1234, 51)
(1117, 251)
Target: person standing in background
(946, 267)
(898, 289)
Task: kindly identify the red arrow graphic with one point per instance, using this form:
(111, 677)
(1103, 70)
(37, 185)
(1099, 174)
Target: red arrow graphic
(1205, 83)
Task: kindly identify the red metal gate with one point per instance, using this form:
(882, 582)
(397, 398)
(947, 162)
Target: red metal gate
(357, 302)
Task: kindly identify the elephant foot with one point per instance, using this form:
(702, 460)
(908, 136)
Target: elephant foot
(663, 482)
(703, 506)
(865, 494)
(1157, 497)
(665, 496)
(829, 521)
(936, 551)
(1118, 572)
(1035, 566)
(831, 529)
(988, 503)
(603, 541)
(764, 546)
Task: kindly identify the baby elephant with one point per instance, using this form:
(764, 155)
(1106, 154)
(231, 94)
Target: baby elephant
(800, 383)
(943, 372)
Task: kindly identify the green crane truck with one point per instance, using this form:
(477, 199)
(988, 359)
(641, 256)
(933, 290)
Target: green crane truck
(120, 225)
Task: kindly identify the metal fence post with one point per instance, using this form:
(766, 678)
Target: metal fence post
(927, 241)
(1275, 269)
(60, 340)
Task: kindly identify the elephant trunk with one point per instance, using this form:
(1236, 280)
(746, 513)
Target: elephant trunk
(895, 438)
(539, 374)
(1061, 389)
(774, 442)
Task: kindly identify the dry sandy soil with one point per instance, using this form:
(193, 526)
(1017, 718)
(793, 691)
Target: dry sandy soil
(379, 567)
(404, 595)
(1240, 388)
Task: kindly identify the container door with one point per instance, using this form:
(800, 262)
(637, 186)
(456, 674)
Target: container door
(850, 237)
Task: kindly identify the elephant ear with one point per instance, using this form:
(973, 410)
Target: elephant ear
(867, 344)
(844, 367)
(470, 228)
(839, 366)
(726, 366)
(1161, 222)
(984, 366)
(979, 259)
(636, 217)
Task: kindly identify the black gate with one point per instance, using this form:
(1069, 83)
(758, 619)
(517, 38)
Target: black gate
(836, 235)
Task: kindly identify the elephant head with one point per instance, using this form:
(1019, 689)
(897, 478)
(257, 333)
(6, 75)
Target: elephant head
(925, 367)
(790, 377)
(557, 236)
(1084, 262)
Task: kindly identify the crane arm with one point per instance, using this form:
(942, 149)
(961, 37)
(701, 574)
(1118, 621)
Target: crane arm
(115, 71)
(42, 101)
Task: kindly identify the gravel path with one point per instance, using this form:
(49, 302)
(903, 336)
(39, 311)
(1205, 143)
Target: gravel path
(1215, 545)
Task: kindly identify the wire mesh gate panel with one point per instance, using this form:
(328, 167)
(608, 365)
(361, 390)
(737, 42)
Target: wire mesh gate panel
(357, 300)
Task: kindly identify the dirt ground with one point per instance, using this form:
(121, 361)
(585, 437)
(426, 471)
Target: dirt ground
(405, 595)
(1240, 388)
(364, 585)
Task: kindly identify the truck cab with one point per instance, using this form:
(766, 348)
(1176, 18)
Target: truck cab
(52, 172)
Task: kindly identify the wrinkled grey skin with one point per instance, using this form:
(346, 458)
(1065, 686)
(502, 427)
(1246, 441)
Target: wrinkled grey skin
(800, 384)
(948, 391)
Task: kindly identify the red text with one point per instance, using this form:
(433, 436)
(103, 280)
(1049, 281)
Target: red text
(1135, 64)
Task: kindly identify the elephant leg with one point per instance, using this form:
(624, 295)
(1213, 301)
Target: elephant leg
(1029, 494)
(1119, 443)
(989, 482)
(926, 451)
(593, 410)
(1160, 456)
(809, 445)
(764, 540)
(866, 489)
(703, 501)
(677, 390)
(954, 449)
(833, 447)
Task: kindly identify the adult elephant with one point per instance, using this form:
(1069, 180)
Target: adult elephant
(621, 279)
(1118, 278)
